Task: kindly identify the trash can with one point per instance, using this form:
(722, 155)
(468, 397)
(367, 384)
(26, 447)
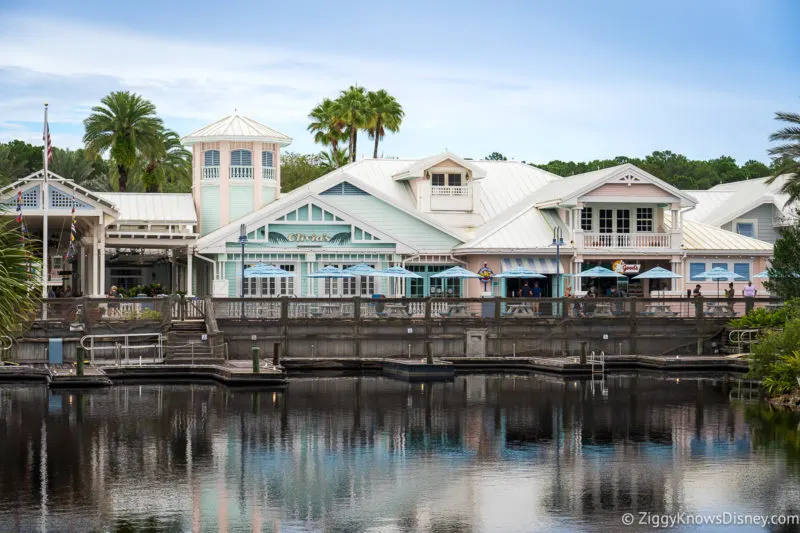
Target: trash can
(487, 308)
(379, 303)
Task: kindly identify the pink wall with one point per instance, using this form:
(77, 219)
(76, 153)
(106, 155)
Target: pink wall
(709, 288)
(474, 287)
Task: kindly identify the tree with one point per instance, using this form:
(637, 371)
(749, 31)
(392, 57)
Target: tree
(784, 272)
(787, 155)
(170, 169)
(330, 161)
(353, 110)
(496, 156)
(383, 113)
(18, 289)
(30, 158)
(126, 126)
(10, 169)
(299, 169)
(327, 125)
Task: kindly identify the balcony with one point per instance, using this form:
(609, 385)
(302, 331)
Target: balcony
(455, 198)
(268, 173)
(239, 172)
(210, 173)
(625, 240)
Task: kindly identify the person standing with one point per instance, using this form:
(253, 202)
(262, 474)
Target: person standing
(749, 291)
(536, 292)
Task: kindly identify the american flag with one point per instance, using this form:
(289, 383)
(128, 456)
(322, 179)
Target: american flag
(48, 146)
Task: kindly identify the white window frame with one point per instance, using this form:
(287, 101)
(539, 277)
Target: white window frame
(459, 175)
(444, 179)
(587, 215)
(753, 221)
(651, 219)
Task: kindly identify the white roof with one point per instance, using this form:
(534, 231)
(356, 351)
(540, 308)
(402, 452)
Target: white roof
(706, 238)
(152, 208)
(417, 168)
(727, 201)
(237, 128)
(526, 229)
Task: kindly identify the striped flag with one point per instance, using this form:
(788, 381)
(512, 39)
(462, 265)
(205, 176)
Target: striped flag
(48, 145)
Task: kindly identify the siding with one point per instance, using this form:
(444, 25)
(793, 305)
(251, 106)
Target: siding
(763, 214)
(209, 212)
(241, 200)
(267, 195)
(392, 221)
(645, 190)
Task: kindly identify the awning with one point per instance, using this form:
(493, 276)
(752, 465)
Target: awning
(540, 265)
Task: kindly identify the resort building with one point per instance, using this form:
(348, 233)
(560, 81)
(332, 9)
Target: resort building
(424, 214)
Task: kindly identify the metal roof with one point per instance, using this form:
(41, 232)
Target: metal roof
(704, 237)
(237, 128)
(155, 208)
(727, 201)
(417, 168)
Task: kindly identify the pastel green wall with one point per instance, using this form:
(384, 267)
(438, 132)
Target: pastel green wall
(241, 200)
(209, 208)
(267, 195)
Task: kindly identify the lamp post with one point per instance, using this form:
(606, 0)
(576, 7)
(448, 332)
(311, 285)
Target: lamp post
(558, 242)
(242, 241)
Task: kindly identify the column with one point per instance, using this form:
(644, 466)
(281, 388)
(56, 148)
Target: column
(675, 264)
(82, 271)
(102, 268)
(189, 278)
(95, 277)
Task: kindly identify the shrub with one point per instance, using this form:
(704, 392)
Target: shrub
(782, 374)
(775, 358)
(760, 318)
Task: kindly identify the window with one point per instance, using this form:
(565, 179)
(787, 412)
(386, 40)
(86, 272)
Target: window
(723, 266)
(623, 221)
(606, 221)
(266, 159)
(437, 180)
(586, 219)
(241, 158)
(746, 228)
(278, 286)
(743, 269)
(454, 180)
(211, 158)
(644, 219)
(695, 269)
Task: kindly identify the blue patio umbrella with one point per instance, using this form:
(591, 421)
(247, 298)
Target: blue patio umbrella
(658, 273)
(362, 269)
(456, 272)
(330, 272)
(599, 272)
(764, 274)
(262, 270)
(520, 272)
(717, 274)
(398, 272)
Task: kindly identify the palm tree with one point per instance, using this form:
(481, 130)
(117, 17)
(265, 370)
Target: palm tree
(352, 108)
(126, 125)
(18, 291)
(75, 166)
(787, 156)
(327, 125)
(169, 169)
(330, 161)
(384, 113)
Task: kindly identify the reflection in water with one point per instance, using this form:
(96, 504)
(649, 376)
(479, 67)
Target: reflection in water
(484, 453)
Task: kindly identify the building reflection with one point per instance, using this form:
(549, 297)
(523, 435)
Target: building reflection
(347, 454)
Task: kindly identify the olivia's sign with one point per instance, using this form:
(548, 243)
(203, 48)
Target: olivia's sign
(308, 237)
(620, 267)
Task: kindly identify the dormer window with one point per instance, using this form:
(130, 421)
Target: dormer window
(454, 180)
(437, 180)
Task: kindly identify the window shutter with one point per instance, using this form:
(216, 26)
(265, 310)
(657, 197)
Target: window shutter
(211, 158)
(266, 159)
(743, 269)
(695, 269)
(720, 265)
(241, 158)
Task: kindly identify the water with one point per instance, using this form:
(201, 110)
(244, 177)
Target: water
(481, 454)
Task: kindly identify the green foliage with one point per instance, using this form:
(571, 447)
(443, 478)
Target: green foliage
(771, 347)
(126, 126)
(787, 155)
(19, 293)
(299, 169)
(782, 374)
(675, 169)
(784, 278)
(384, 113)
(760, 318)
(332, 160)
(496, 156)
(154, 289)
(772, 428)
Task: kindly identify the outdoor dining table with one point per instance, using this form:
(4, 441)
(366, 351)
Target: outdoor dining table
(396, 310)
(719, 309)
(519, 309)
(602, 309)
(658, 309)
(456, 310)
(331, 310)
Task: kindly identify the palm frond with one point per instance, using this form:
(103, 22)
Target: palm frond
(273, 237)
(341, 238)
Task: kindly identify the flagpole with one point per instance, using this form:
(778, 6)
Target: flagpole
(46, 201)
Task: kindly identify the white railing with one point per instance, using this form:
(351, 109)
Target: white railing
(463, 190)
(268, 173)
(239, 172)
(210, 173)
(626, 240)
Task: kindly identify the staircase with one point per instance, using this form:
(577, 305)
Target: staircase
(186, 345)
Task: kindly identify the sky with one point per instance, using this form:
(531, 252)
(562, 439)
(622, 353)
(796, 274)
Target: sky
(534, 80)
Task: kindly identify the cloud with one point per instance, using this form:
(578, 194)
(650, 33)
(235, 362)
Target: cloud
(471, 109)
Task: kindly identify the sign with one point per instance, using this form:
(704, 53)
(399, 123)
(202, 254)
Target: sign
(204, 337)
(308, 237)
(486, 274)
(620, 267)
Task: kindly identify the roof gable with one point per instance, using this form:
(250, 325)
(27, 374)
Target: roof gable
(568, 191)
(447, 159)
(63, 194)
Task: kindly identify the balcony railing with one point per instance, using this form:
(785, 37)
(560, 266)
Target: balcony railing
(450, 191)
(241, 172)
(210, 173)
(626, 240)
(268, 173)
